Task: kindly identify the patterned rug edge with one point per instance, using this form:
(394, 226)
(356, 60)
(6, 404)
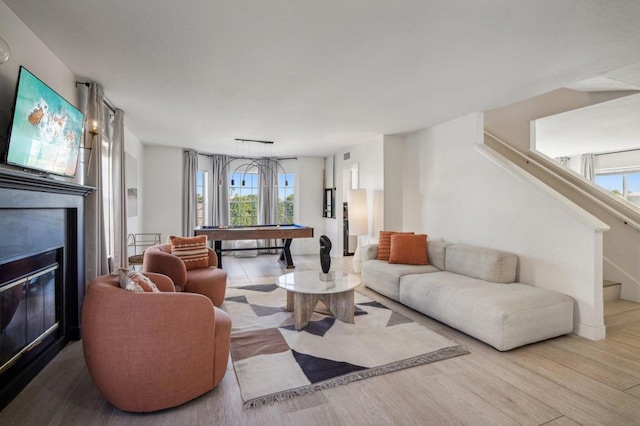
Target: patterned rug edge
(438, 355)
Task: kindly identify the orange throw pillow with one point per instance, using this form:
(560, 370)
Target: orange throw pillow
(191, 250)
(384, 243)
(409, 249)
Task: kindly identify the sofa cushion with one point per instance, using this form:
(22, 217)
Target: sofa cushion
(482, 263)
(504, 316)
(384, 277)
(384, 243)
(191, 250)
(409, 249)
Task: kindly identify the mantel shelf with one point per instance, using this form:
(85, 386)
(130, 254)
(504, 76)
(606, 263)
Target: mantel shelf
(29, 182)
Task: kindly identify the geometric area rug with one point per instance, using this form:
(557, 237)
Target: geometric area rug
(274, 362)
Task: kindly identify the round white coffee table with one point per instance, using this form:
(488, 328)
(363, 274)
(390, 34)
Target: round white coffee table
(306, 288)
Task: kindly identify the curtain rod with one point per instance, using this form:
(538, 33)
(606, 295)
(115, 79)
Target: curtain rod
(246, 158)
(254, 140)
(107, 102)
(257, 158)
(617, 152)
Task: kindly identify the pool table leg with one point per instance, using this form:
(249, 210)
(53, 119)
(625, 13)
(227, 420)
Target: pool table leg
(217, 247)
(285, 255)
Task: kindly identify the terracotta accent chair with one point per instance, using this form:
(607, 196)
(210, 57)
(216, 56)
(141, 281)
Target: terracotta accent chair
(210, 281)
(151, 351)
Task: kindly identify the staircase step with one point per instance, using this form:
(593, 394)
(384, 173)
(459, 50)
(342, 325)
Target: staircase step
(620, 306)
(610, 290)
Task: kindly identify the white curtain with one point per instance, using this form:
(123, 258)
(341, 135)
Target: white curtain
(119, 192)
(220, 199)
(220, 214)
(189, 201)
(587, 166)
(268, 195)
(92, 104)
(564, 161)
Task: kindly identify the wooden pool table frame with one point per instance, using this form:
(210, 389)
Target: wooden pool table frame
(285, 233)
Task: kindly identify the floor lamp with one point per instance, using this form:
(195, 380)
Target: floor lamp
(358, 221)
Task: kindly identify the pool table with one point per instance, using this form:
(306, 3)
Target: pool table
(286, 233)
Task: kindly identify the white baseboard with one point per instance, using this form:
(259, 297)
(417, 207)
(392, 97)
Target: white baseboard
(589, 331)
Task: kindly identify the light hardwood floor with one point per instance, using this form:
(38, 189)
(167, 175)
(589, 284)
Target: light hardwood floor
(564, 381)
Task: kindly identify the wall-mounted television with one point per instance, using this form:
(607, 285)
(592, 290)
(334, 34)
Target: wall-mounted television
(46, 130)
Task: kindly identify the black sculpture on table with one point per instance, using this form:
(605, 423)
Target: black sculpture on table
(325, 248)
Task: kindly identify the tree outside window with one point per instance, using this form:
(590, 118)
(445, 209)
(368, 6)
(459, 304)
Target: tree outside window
(243, 199)
(286, 198)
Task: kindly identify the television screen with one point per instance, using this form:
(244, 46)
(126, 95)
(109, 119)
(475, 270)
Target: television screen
(46, 129)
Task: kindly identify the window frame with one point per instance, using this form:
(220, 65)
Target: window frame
(286, 190)
(623, 173)
(202, 188)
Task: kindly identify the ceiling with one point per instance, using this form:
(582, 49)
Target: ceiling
(318, 76)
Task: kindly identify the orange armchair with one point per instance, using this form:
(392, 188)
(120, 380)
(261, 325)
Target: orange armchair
(150, 351)
(211, 281)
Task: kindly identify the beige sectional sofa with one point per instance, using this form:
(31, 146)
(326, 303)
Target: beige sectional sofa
(472, 289)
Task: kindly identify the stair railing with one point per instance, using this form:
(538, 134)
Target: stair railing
(535, 162)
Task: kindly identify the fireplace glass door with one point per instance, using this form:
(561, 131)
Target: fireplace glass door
(28, 313)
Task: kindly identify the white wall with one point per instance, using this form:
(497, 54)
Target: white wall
(133, 147)
(394, 154)
(464, 197)
(370, 160)
(161, 206)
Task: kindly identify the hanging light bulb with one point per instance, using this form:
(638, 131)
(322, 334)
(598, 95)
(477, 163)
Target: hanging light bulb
(5, 52)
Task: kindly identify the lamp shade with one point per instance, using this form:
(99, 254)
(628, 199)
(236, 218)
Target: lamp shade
(358, 212)
(5, 52)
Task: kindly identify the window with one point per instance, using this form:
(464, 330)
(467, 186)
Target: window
(201, 198)
(243, 199)
(285, 198)
(624, 184)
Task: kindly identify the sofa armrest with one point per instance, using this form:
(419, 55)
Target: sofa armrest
(222, 344)
(211, 282)
(138, 345)
(370, 252)
(156, 260)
